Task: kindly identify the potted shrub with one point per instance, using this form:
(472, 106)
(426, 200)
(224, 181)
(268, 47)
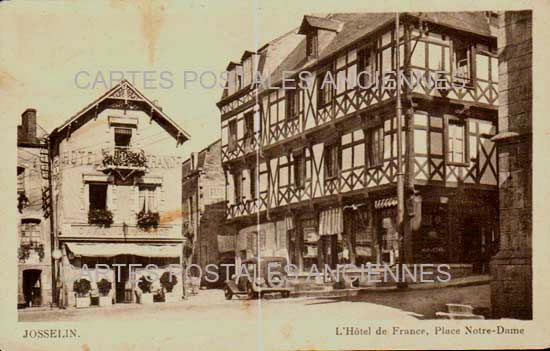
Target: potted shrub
(82, 289)
(147, 219)
(100, 216)
(168, 281)
(146, 296)
(104, 287)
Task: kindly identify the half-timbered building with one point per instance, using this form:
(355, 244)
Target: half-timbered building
(310, 149)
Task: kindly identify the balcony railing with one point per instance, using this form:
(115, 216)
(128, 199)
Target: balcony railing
(123, 157)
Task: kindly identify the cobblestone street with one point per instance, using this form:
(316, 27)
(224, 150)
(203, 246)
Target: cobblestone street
(210, 304)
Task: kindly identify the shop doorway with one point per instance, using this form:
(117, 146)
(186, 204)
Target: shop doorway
(471, 245)
(123, 288)
(32, 287)
(328, 251)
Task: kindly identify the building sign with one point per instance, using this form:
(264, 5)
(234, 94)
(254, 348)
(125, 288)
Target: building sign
(363, 251)
(310, 235)
(78, 158)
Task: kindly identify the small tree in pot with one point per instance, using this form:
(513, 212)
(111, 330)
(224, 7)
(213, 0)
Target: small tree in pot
(104, 287)
(144, 284)
(168, 281)
(82, 289)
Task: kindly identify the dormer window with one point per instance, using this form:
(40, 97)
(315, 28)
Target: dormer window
(312, 44)
(234, 78)
(238, 81)
(311, 26)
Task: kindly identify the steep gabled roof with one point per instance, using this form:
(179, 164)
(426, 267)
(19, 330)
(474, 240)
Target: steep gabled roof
(125, 91)
(319, 23)
(270, 54)
(231, 65)
(356, 26)
(288, 52)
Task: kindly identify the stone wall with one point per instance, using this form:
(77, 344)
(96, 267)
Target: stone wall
(511, 268)
(204, 177)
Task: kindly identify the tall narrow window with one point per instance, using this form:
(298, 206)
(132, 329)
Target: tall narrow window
(299, 170)
(332, 160)
(30, 230)
(463, 62)
(249, 128)
(375, 147)
(456, 146)
(325, 86)
(232, 137)
(292, 104)
(238, 187)
(253, 180)
(239, 78)
(312, 44)
(123, 136)
(366, 68)
(20, 180)
(147, 198)
(98, 196)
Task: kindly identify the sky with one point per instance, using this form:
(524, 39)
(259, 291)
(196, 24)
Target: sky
(44, 44)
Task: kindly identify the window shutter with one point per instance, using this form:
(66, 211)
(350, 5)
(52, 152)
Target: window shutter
(111, 197)
(229, 187)
(136, 199)
(159, 193)
(136, 140)
(246, 184)
(84, 196)
(160, 199)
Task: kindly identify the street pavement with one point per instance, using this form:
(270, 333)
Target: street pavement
(211, 304)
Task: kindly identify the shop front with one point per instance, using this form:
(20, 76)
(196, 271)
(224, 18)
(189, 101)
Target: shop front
(387, 230)
(127, 263)
(265, 239)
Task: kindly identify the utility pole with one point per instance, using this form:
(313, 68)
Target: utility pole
(400, 173)
(53, 245)
(401, 218)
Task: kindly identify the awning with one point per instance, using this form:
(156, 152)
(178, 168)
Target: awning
(384, 203)
(114, 249)
(331, 221)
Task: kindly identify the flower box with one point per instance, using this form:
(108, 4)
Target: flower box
(83, 301)
(82, 289)
(146, 298)
(172, 297)
(102, 217)
(105, 301)
(124, 157)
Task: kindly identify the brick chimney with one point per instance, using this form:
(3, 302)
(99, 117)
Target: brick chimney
(28, 121)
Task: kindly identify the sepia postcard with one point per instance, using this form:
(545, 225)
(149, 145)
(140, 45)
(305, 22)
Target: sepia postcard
(274, 175)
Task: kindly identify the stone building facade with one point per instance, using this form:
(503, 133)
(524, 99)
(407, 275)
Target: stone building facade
(511, 289)
(34, 250)
(116, 168)
(203, 204)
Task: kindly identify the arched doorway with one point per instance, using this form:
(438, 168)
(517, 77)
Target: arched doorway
(32, 287)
